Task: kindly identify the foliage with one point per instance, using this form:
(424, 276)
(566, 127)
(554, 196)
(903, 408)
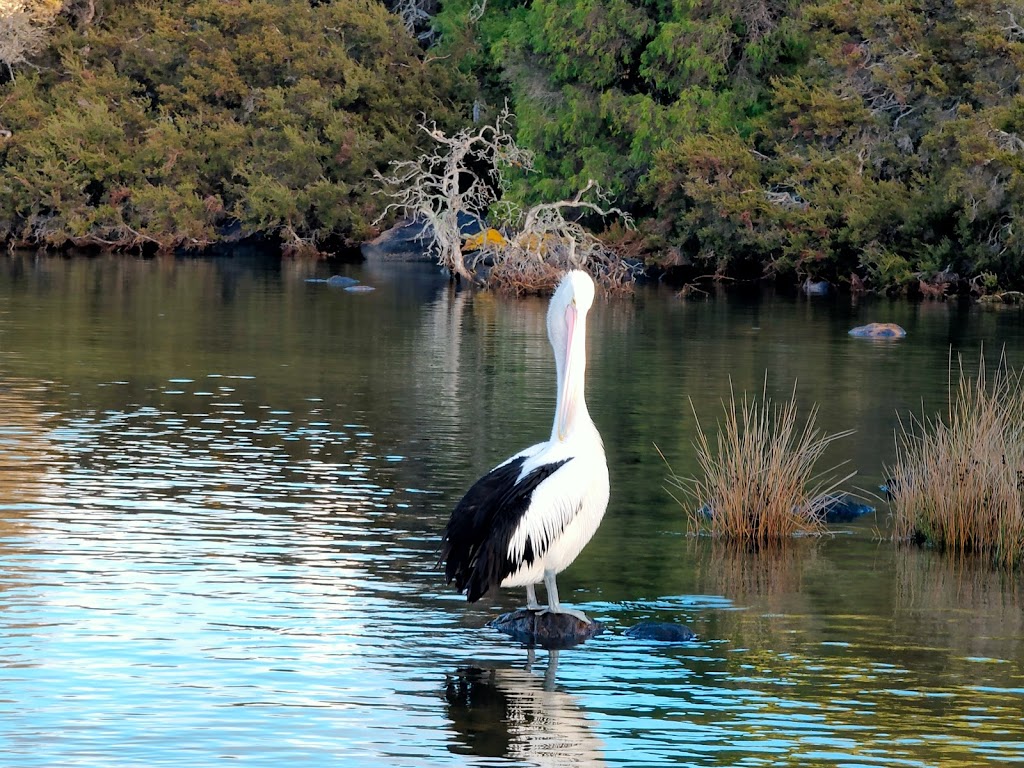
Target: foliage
(759, 485)
(185, 123)
(958, 482)
(880, 141)
(818, 139)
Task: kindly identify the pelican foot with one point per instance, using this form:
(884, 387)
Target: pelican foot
(568, 611)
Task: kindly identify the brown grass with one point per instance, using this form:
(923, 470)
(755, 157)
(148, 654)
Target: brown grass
(758, 478)
(958, 481)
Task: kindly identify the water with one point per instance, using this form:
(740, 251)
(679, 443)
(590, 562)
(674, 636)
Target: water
(221, 496)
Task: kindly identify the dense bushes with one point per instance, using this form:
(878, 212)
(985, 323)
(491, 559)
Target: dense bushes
(803, 139)
(815, 139)
(177, 124)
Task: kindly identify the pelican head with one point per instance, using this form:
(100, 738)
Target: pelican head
(567, 330)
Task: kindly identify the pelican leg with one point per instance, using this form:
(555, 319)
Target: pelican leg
(531, 598)
(553, 605)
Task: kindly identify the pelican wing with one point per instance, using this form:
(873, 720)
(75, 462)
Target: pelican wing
(476, 545)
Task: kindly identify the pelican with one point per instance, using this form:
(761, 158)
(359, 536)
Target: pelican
(527, 519)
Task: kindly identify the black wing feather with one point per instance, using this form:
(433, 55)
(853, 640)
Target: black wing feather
(476, 539)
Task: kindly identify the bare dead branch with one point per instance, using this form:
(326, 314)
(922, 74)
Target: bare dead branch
(442, 183)
(477, 11)
(1013, 30)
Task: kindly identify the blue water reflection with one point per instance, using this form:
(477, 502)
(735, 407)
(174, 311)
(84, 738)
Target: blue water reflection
(229, 553)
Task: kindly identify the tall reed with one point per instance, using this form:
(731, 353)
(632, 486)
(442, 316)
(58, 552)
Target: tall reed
(758, 483)
(958, 482)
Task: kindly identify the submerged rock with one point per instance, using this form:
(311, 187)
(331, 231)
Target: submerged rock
(661, 631)
(878, 331)
(816, 287)
(548, 630)
(341, 281)
(837, 508)
(338, 281)
(844, 507)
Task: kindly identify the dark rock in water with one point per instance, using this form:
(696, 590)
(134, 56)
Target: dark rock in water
(406, 241)
(661, 631)
(410, 240)
(838, 508)
(470, 225)
(548, 630)
(878, 331)
(844, 507)
(360, 288)
(341, 281)
(816, 287)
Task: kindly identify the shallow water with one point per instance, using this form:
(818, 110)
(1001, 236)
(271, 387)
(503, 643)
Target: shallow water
(222, 489)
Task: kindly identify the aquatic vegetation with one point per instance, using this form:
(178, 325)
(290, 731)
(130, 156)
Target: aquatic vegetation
(958, 482)
(759, 484)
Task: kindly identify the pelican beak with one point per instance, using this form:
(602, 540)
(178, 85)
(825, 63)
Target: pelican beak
(568, 399)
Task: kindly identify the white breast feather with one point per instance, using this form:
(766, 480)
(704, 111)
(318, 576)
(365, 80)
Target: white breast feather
(579, 485)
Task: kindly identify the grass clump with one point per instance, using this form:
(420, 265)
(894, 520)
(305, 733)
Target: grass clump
(758, 483)
(958, 482)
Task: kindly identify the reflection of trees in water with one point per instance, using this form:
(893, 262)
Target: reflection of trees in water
(962, 602)
(763, 577)
(483, 381)
(24, 448)
(768, 582)
(25, 457)
(516, 714)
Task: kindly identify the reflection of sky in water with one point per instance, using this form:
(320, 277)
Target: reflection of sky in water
(215, 571)
(227, 579)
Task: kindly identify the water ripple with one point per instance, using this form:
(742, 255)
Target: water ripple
(235, 559)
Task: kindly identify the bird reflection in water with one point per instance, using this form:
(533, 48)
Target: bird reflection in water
(519, 715)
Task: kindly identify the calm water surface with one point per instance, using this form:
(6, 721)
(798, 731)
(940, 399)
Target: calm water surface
(222, 489)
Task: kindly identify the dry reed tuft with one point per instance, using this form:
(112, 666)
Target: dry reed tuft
(758, 483)
(957, 484)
